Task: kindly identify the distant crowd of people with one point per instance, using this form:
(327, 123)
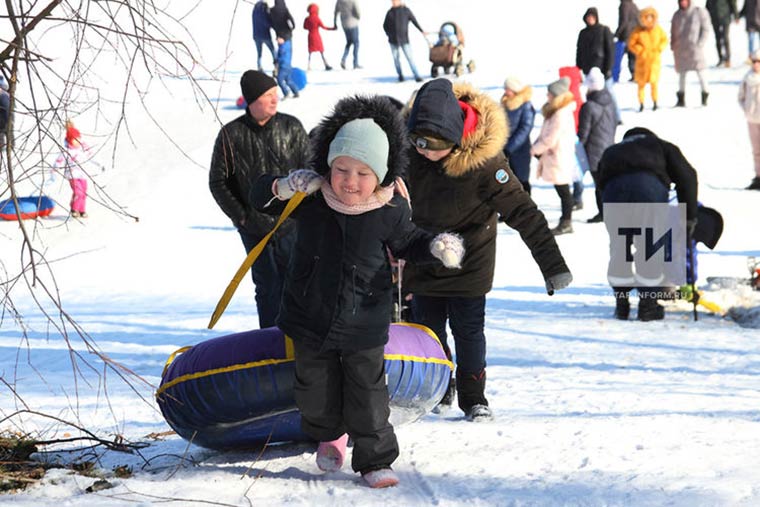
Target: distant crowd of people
(278, 19)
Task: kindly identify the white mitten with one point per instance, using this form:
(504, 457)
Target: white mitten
(300, 180)
(449, 248)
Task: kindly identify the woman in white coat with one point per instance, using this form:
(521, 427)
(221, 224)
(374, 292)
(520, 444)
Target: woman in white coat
(555, 148)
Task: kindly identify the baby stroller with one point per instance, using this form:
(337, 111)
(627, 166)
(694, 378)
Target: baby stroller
(447, 52)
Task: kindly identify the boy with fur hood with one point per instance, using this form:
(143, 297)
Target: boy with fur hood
(338, 294)
(460, 181)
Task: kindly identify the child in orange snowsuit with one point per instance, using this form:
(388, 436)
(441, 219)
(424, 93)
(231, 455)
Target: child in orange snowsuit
(312, 24)
(647, 42)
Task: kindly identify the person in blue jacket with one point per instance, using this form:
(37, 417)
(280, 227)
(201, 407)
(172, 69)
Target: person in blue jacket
(520, 117)
(262, 31)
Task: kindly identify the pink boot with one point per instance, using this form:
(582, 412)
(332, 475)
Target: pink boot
(382, 478)
(330, 455)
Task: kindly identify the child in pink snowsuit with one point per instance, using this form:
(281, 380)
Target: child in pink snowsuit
(312, 24)
(75, 153)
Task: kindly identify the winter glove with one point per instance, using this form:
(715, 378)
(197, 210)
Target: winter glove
(691, 226)
(557, 282)
(300, 180)
(449, 248)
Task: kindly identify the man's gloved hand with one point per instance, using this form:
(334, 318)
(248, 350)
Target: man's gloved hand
(300, 180)
(691, 225)
(557, 282)
(449, 248)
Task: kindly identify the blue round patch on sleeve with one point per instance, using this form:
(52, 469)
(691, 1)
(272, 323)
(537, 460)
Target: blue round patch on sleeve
(502, 176)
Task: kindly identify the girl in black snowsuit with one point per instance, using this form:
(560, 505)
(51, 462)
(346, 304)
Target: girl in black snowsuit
(337, 298)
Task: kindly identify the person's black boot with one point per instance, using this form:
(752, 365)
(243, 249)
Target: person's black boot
(704, 98)
(755, 185)
(681, 99)
(471, 395)
(622, 305)
(649, 308)
(595, 219)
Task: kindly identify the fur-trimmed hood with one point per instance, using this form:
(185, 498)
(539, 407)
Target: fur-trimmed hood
(378, 108)
(488, 138)
(517, 100)
(648, 24)
(557, 103)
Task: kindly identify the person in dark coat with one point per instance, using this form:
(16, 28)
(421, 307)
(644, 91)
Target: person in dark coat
(722, 12)
(596, 48)
(596, 129)
(283, 25)
(396, 27)
(640, 169)
(338, 293)
(628, 19)
(520, 118)
(262, 31)
(260, 141)
(460, 181)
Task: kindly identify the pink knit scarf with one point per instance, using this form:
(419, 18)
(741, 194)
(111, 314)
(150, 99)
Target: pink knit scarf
(380, 198)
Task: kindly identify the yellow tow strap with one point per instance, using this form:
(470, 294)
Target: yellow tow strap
(251, 258)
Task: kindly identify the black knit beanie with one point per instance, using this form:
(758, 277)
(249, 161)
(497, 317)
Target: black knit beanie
(436, 111)
(254, 84)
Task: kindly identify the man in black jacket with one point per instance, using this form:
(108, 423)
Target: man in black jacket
(396, 26)
(640, 169)
(260, 141)
(596, 48)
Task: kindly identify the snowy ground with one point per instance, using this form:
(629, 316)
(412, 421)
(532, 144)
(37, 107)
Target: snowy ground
(589, 411)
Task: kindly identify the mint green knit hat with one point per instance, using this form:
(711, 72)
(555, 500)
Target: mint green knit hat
(362, 139)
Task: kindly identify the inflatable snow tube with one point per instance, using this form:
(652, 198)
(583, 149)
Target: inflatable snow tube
(29, 207)
(236, 391)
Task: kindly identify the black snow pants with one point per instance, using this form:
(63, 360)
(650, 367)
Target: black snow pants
(345, 392)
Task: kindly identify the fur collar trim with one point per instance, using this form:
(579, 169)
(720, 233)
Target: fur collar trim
(646, 22)
(518, 99)
(558, 103)
(488, 138)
